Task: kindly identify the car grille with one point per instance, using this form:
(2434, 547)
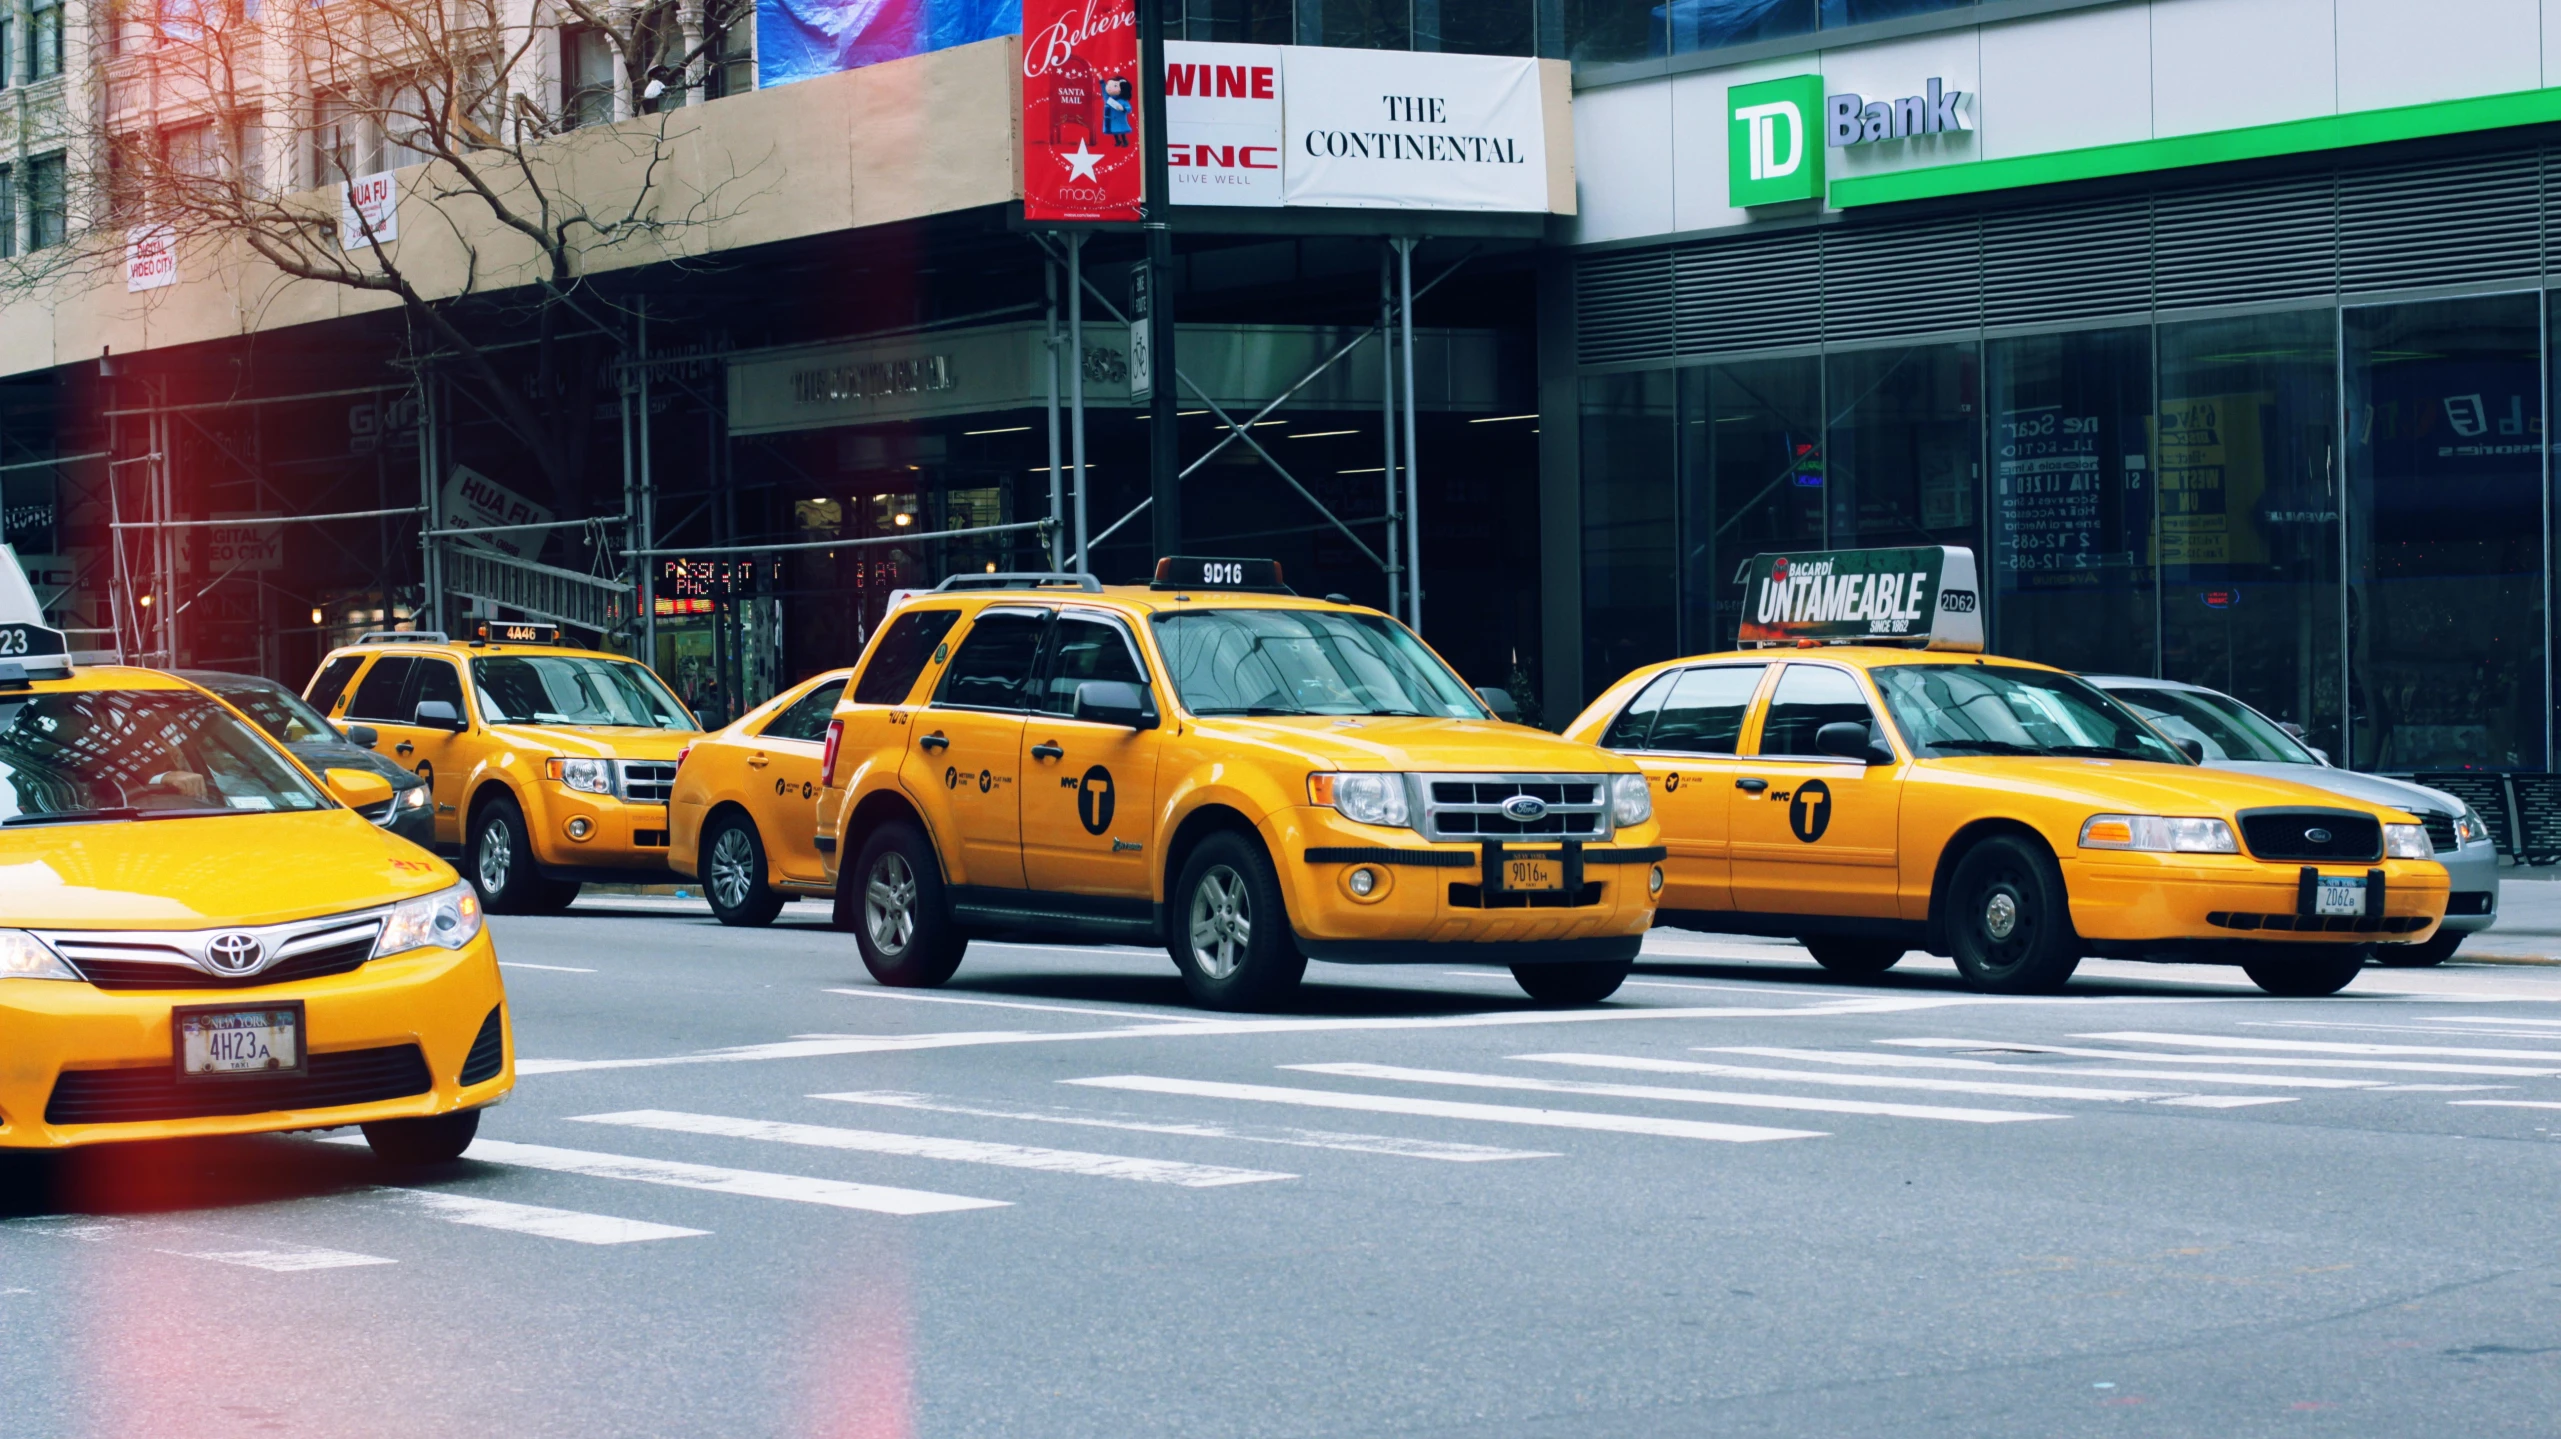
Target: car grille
(2287, 834)
(645, 781)
(135, 1096)
(1470, 807)
(176, 959)
(2440, 829)
(118, 973)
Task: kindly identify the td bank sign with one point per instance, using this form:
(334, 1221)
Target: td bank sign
(1778, 130)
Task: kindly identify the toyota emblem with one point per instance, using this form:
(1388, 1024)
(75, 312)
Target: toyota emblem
(1525, 807)
(234, 953)
(2317, 835)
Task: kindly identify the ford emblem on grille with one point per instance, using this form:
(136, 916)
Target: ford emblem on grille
(1525, 807)
(234, 953)
(2317, 835)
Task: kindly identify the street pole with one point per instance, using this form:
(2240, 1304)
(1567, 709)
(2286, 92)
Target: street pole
(1076, 388)
(1413, 493)
(1057, 478)
(1387, 422)
(1164, 440)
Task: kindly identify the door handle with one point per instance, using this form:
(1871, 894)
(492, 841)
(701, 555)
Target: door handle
(1049, 749)
(1754, 786)
(405, 747)
(935, 741)
(757, 760)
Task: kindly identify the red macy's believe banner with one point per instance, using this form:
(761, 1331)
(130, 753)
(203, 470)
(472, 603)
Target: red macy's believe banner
(1081, 154)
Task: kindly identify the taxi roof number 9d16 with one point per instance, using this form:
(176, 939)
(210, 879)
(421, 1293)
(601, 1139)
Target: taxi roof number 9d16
(1924, 597)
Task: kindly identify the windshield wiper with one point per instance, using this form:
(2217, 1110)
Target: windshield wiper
(1249, 711)
(2097, 751)
(1984, 746)
(148, 814)
(75, 816)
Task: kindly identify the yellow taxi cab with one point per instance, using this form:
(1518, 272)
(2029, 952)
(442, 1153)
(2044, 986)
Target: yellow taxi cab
(202, 938)
(550, 764)
(1861, 777)
(743, 815)
(1211, 763)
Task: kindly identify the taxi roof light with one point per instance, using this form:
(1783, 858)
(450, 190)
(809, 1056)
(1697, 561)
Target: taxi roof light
(1197, 572)
(28, 646)
(1924, 597)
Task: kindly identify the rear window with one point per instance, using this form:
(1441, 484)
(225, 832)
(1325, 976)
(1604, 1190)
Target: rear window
(807, 718)
(900, 655)
(993, 667)
(378, 696)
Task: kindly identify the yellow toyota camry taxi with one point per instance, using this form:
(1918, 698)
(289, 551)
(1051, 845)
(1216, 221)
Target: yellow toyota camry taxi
(1861, 777)
(1213, 764)
(550, 764)
(202, 939)
(743, 816)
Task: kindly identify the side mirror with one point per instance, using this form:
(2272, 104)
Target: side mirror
(363, 736)
(1850, 739)
(1115, 702)
(357, 788)
(2190, 746)
(1501, 703)
(436, 714)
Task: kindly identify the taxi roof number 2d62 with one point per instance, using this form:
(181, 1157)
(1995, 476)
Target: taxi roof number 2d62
(1924, 597)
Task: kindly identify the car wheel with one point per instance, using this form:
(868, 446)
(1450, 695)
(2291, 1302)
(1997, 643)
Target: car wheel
(416, 1142)
(1228, 931)
(500, 861)
(1853, 958)
(2435, 949)
(554, 896)
(1572, 983)
(733, 874)
(2009, 922)
(892, 899)
(2309, 974)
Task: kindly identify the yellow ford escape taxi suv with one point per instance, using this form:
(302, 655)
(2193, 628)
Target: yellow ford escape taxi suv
(201, 939)
(550, 764)
(1213, 764)
(1862, 778)
(743, 817)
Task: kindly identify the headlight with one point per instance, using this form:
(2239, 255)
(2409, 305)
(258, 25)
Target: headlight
(446, 919)
(2158, 834)
(1362, 798)
(23, 956)
(415, 799)
(2407, 841)
(587, 776)
(1631, 799)
(2470, 828)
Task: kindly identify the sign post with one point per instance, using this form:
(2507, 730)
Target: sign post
(1164, 437)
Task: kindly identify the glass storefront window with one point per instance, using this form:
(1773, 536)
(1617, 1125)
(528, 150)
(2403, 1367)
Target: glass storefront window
(1476, 27)
(1904, 447)
(2071, 500)
(1628, 591)
(2249, 513)
(1244, 22)
(1710, 24)
(1751, 477)
(1357, 24)
(1605, 32)
(1837, 13)
(2445, 518)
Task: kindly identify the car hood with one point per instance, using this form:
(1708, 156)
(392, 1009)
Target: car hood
(1445, 746)
(243, 869)
(322, 755)
(2149, 787)
(2372, 788)
(602, 741)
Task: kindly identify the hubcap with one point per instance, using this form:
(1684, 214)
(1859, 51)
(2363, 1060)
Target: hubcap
(497, 857)
(733, 868)
(889, 905)
(1222, 922)
(2000, 915)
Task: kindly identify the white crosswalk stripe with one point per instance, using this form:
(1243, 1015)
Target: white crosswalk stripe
(536, 1220)
(1443, 1150)
(961, 1151)
(1446, 1109)
(2228, 1060)
(1677, 1095)
(1861, 1081)
(750, 1183)
(290, 1259)
(2319, 1046)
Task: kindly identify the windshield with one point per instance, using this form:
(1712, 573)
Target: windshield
(574, 690)
(137, 754)
(278, 711)
(2227, 728)
(1306, 662)
(2006, 709)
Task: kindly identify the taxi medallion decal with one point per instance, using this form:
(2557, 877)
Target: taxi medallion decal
(1094, 800)
(1809, 810)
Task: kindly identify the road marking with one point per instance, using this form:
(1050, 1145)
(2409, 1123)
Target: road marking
(1686, 1096)
(2148, 1057)
(539, 1221)
(914, 998)
(1915, 1061)
(2229, 1101)
(2431, 1028)
(554, 968)
(1863, 1081)
(295, 1260)
(753, 1184)
(925, 1146)
(1249, 1133)
(2316, 1046)
(2436, 1088)
(1447, 1109)
(2508, 1103)
(2494, 1019)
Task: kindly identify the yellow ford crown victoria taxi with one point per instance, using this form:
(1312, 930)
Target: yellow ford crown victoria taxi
(550, 764)
(1862, 778)
(201, 939)
(1213, 764)
(743, 817)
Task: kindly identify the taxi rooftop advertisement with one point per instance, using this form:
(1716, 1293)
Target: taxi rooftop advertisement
(1921, 598)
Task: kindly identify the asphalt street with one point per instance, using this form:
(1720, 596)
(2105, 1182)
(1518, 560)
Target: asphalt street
(741, 1190)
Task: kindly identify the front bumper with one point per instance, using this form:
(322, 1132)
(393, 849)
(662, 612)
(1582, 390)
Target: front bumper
(2472, 873)
(431, 999)
(2128, 902)
(623, 840)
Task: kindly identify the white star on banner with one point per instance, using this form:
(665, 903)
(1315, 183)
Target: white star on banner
(1081, 163)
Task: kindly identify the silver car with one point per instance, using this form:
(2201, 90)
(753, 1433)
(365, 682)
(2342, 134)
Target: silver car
(2234, 736)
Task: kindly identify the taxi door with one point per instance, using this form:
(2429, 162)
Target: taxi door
(440, 754)
(963, 764)
(1813, 834)
(1089, 788)
(782, 776)
(1683, 731)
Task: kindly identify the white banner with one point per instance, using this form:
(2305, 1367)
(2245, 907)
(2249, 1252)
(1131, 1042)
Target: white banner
(150, 258)
(368, 202)
(255, 545)
(1223, 123)
(472, 499)
(1398, 129)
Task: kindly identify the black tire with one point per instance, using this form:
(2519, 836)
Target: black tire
(733, 870)
(1229, 899)
(1587, 983)
(1853, 958)
(415, 1143)
(892, 899)
(498, 855)
(2310, 972)
(2009, 921)
(554, 896)
(2435, 949)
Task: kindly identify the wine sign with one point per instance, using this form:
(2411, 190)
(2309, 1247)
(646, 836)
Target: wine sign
(1082, 155)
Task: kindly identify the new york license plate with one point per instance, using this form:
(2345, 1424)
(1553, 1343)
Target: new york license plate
(2339, 896)
(1533, 874)
(262, 1040)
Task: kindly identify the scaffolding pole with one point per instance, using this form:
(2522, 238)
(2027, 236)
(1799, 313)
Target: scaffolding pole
(1387, 419)
(1057, 480)
(644, 513)
(1076, 386)
(1413, 501)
